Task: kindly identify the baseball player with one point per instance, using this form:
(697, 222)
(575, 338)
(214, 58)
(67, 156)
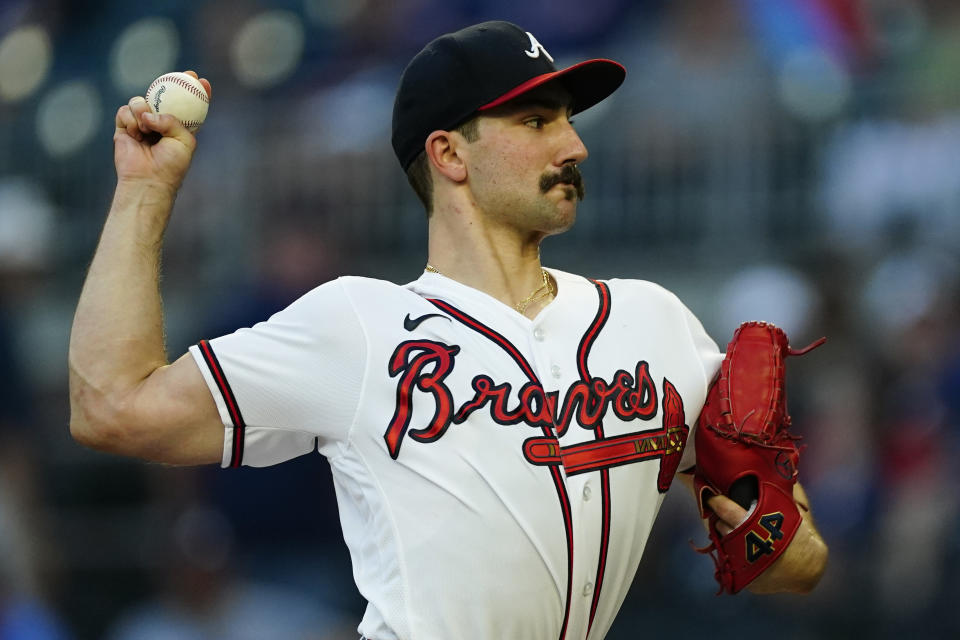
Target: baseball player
(501, 434)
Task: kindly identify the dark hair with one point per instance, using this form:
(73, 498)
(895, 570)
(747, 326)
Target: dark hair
(418, 173)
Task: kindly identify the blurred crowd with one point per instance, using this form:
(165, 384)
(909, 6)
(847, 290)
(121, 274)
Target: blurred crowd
(780, 160)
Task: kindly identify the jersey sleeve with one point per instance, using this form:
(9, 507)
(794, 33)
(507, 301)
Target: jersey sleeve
(710, 357)
(289, 385)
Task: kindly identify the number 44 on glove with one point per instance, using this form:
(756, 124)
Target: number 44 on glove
(745, 451)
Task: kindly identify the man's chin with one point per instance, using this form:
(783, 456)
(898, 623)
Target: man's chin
(567, 215)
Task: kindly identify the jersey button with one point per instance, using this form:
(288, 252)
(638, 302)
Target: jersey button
(539, 334)
(555, 371)
(587, 492)
(587, 589)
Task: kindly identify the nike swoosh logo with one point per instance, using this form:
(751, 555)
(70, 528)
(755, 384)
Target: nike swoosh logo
(412, 323)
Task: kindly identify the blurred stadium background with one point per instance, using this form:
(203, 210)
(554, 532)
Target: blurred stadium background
(789, 160)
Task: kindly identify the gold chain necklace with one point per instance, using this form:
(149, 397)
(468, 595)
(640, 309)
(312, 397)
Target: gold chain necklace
(544, 290)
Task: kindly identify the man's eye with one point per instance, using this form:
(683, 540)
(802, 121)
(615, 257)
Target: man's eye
(535, 123)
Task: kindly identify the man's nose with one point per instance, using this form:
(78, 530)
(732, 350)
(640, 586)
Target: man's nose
(573, 150)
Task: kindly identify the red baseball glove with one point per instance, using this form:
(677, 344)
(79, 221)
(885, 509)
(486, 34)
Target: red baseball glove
(745, 451)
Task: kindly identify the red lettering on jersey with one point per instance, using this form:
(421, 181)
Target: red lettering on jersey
(533, 408)
(423, 365)
(411, 359)
(588, 402)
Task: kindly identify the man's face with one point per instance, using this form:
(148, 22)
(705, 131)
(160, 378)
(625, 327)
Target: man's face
(522, 169)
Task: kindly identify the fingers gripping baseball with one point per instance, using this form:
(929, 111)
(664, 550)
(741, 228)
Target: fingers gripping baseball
(151, 147)
(203, 81)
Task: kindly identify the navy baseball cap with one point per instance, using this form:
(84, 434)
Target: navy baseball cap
(480, 67)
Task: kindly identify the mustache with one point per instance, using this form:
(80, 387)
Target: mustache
(568, 174)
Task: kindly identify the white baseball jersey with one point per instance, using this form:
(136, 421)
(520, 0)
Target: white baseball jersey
(497, 477)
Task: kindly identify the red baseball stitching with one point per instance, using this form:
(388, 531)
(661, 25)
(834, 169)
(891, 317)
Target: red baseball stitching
(176, 79)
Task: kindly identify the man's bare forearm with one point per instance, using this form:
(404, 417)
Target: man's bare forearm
(117, 338)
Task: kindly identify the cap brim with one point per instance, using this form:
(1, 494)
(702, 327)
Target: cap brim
(588, 82)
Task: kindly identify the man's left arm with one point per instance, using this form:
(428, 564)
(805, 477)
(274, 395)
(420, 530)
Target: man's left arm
(745, 478)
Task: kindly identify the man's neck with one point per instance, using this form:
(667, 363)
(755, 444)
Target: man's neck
(499, 261)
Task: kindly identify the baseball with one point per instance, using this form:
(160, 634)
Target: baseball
(182, 96)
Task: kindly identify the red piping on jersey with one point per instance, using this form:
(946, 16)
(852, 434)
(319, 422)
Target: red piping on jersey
(603, 312)
(239, 426)
(514, 353)
(483, 329)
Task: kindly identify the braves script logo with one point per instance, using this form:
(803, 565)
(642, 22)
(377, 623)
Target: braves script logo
(423, 365)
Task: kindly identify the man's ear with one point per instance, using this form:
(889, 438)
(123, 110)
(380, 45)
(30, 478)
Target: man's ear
(442, 150)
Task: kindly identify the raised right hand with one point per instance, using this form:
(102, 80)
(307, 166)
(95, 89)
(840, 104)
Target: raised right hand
(152, 149)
